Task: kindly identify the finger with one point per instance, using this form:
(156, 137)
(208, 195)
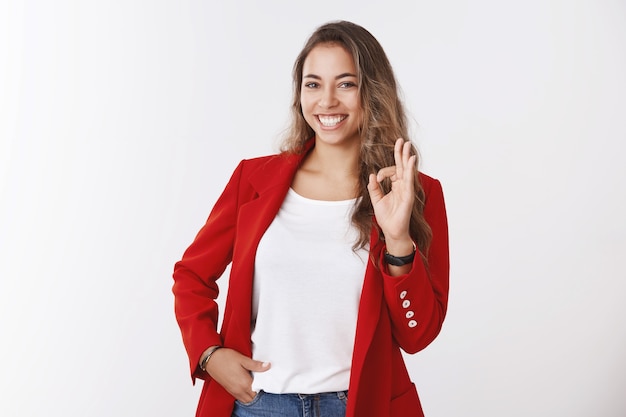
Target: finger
(247, 397)
(397, 156)
(256, 366)
(409, 170)
(387, 172)
(406, 155)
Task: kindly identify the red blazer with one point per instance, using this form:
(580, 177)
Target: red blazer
(395, 312)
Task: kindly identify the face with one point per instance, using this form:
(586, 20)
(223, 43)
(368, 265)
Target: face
(330, 95)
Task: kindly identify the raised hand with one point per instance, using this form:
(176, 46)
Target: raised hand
(393, 210)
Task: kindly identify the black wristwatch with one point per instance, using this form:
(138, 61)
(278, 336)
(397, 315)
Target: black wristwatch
(400, 260)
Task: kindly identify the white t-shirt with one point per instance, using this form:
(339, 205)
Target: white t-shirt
(307, 287)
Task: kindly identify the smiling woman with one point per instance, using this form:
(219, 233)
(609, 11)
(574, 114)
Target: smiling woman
(331, 106)
(338, 249)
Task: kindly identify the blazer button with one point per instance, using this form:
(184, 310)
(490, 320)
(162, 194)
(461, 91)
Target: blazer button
(402, 295)
(412, 323)
(409, 314)
(406, 303)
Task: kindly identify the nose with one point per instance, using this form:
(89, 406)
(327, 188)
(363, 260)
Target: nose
(328, 98)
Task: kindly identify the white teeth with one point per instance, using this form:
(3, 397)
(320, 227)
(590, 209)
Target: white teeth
(330, 121)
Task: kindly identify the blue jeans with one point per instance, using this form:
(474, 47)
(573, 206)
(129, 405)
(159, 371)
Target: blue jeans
(328, 404)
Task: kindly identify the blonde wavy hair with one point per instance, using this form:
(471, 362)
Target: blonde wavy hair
(384, 121)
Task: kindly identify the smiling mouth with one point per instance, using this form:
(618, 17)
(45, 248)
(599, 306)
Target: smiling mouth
(330, 121)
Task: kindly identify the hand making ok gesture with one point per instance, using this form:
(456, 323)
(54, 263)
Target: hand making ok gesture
(393, 210)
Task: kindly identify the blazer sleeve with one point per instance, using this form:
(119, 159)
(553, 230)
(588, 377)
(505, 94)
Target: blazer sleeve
(418, 301)
(195, 275)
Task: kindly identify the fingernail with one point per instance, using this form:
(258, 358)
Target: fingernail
(265, 364)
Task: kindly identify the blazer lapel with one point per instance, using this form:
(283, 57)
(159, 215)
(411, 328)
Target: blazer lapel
(271, 181)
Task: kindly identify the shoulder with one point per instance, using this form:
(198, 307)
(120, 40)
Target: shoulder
(434, 201)
(276, 161)
(429, 183)
(267, 164)
(262, 160)
(267, 171)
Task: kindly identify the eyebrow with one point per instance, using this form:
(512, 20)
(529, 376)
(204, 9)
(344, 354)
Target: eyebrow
(317, 77)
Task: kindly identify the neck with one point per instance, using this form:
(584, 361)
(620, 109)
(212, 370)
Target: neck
(335, 161)
(329, 173)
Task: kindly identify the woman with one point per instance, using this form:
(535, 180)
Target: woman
(338, 249)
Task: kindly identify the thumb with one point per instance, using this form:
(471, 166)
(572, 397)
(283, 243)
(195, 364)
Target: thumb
(256, 366)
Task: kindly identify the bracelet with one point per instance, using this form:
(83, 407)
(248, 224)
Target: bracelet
(207, 357)
(400, 260)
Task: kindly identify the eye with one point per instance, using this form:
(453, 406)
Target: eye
(311, 84)
(347, 84)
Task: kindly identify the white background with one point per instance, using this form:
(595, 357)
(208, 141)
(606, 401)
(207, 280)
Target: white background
(121, 122)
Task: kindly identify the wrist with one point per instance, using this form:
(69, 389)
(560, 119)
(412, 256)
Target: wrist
(204, 359)
(400, 247)
(400, 254)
